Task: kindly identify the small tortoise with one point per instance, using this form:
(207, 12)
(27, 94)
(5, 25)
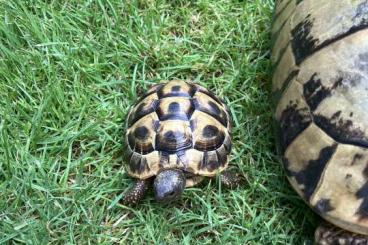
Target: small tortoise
(177, 133)
(320, 83)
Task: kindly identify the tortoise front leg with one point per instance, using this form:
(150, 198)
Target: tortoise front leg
(136, 193)
(327, 234)
(230, 179)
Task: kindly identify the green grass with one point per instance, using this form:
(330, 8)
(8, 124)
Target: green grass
(69, 71)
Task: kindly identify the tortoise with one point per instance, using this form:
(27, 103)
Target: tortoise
(320, 88)
(177, 133)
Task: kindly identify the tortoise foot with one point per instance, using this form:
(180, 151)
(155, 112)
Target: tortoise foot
(230, 179)
(136, 193)
(327, 234)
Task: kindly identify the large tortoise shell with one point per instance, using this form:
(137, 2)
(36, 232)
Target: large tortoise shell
(320, 83)
(177, 124)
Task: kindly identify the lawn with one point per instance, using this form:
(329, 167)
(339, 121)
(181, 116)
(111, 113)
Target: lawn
(69, 70)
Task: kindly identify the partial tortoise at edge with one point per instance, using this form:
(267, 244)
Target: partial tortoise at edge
(320, 85)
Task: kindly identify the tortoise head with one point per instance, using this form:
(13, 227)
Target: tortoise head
(169, 185)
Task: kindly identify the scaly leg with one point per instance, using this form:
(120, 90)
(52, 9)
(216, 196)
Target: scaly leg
(136, 193)
(327, 234)
(230, 179)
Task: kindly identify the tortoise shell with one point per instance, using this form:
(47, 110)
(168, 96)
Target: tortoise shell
(320, 83)
(178, 124)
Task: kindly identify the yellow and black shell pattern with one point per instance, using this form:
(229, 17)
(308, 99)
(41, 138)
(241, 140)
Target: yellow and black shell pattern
(178, 124)
(320, 84)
